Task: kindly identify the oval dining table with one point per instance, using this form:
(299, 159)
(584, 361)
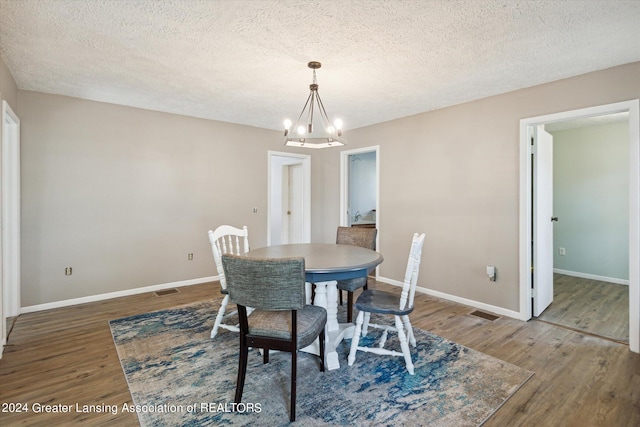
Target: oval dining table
(325, 264)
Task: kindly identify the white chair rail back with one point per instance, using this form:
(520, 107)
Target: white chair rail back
(411, 274)
(227, 240)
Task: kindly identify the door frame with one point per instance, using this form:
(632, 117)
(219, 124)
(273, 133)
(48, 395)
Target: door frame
(274, 190)
(344, 184)
(526, 169)
(10, 235)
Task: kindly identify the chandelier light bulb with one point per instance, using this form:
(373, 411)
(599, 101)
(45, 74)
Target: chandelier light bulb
(338, 124)
(331, 129)
(301, 130)
(287, 124)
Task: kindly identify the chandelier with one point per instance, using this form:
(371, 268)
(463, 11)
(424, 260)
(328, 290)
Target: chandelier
(313, 128)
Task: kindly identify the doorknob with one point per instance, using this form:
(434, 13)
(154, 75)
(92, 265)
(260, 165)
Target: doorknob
(554, 218)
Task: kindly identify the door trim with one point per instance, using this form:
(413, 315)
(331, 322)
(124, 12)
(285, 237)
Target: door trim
(273, 192)
(525, 253)
(10, 211)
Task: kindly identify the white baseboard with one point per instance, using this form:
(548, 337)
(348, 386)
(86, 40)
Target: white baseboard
(110, 295)
(471, 303)
(592, 277)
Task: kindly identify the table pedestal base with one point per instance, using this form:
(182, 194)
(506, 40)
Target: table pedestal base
(327, 297)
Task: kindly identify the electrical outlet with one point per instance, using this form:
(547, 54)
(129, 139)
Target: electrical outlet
(190, 256)
(68, 271)
(562, 252)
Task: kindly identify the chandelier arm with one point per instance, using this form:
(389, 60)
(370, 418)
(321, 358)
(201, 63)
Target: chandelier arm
(323, 113)
(314, 95)
(302, 112)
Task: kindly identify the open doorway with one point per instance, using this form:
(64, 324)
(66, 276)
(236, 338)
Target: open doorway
(591, 234)
(289, 199)
(533, 281)
(359, 187)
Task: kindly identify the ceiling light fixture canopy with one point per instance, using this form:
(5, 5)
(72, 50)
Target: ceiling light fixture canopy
(313, 129)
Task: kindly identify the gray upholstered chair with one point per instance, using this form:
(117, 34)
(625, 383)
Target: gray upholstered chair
(275, 288)
(354, 236)
(376, 301)
(226, 239)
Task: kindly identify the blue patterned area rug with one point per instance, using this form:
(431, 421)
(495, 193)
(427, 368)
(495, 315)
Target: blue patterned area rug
(177, 375)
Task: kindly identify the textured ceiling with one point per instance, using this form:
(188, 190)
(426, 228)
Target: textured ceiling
(245, 61)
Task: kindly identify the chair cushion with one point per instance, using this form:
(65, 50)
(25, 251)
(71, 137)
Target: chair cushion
(277, 324)
(376, 301)
(352, 284)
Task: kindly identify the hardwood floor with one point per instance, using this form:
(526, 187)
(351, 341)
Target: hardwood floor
(591, 306)
(67, 356)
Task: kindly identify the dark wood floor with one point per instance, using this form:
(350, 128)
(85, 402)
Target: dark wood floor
(592, 306)
(67, 356)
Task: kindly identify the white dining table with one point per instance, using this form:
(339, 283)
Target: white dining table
(325, 264)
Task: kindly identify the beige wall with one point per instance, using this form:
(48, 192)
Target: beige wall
(454, 175)
(8, 89)
(122, 194)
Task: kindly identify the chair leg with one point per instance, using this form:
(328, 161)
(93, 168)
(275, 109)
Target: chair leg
(349, 306)
(365, 324)
(265, 356)
(356, 338)
(223, 309)
(321, 339)
(340, 293)
(404, 345)
(242, 370)
(294, 370)
(407, 325)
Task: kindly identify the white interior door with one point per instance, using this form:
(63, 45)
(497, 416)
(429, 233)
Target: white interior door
(295, 201)
(542, 220)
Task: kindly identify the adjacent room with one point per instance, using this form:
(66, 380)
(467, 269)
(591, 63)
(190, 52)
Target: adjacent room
(242, 212)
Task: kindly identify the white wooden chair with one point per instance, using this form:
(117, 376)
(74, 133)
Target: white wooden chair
(226, 240)
(375, 301)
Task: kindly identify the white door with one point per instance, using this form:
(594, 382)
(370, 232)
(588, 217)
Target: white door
(295, 204)
(543, 220)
